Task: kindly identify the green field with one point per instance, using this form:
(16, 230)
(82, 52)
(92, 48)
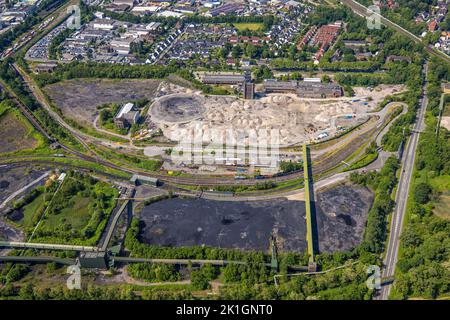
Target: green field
(446, 112)
(249, 26)
(75, 213)
(18, 135)
(365, 160)
(442, 205)
(31, 211)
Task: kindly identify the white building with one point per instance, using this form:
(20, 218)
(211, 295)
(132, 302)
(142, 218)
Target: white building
(168, 13)
(129, 3)
(146, 9)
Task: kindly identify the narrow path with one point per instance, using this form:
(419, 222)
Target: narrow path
(96, 127)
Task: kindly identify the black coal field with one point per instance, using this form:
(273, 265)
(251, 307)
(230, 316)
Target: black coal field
(249, 225)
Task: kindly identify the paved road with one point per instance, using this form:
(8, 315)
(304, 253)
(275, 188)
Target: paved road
(401, 196)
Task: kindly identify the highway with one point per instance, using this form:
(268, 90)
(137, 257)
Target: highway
(401, 196)
(366, 12)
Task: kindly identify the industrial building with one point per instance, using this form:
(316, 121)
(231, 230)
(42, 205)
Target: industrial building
(126, 116)
(93, 260)
(249, 90)
(138, 179)
(45, 67)
(309, 89)
(227, 8)
(223, 78)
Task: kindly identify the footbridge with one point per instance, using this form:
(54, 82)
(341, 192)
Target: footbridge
(47, 246)
(309, 206)
(37, 259)
(112, 223)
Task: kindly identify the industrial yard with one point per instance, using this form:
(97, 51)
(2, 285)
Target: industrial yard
(298, 120)
(79, 99)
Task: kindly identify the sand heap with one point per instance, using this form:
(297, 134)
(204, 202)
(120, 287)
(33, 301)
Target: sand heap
(296, 120)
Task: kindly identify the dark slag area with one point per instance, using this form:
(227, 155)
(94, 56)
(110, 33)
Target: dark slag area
(341, 217)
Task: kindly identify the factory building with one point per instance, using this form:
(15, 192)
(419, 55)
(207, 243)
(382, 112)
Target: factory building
(126, 116)
(249, 90)
(138, 179)
(223, 78)
(308, 89)
(93, 260)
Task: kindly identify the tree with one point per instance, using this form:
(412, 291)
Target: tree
(421, 193)
(209, 271)
(26, 292)
(251, 51)
(326, 78)
(236, 52)
(199, 280)
(263, 72)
